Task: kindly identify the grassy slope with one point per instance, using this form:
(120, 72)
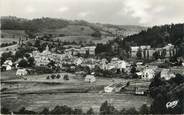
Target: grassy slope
(78, 32)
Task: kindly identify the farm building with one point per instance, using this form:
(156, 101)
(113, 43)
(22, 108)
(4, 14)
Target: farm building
(90, 78)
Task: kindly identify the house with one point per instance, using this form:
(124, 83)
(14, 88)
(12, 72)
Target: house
(115, 87)
(109, 89)
(141, 91)
(166, 74)
(78, 61)
(169, 50)
(148, 74)
(134, 50)
(7, 65)
(90, 78)
(8, 62)
(82, 51)
(21, 72)
(91, 50)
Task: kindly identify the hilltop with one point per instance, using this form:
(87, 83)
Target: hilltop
(62, 28)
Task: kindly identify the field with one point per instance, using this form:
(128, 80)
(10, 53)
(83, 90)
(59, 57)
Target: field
(37, 92)
(82, 100)
(84, 38)
(12, 33)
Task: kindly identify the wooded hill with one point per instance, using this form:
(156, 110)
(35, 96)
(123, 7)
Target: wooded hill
(66, 27)
(158, 36)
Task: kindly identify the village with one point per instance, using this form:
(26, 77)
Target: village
(90, 69)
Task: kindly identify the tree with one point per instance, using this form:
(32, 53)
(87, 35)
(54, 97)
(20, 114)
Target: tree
(58, 76)
(144, 109)
(37, 43)
(163, 54)
(23, 63)
(5, 56)
(156, 55)
(66, 77)
(53, 76)
(139, 53)
(158, 105)
(45, 111)
(90, 112)
(131, 111)
(106, 109)
(31, 61)
(133, 70)
(48, 77)
(77, 111)
(61, 110)
(96, 34)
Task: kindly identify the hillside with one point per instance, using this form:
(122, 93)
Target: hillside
(158, 36)
(61, 27)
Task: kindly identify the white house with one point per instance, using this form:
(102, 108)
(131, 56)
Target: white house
(148, 74)
(8, 64)
(78, 61)
(166, 74)
(21, 72)
(134, 50)
(122, 64)
(8, 67)
(108, 89)
(90, 78)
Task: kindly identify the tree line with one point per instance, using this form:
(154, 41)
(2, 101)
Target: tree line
(106, 108)
(158, 36)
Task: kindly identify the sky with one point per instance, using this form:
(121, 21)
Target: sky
(120, 12)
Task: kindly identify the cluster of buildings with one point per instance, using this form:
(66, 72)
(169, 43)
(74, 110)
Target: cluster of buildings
(115, 63)
(147, 52)
(88, 50)
(149, 72)
(7, 65)
(44, 58)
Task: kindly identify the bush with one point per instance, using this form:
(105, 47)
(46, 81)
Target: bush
(24, 111)
(144, 109)
(53, 76)
(106, 108)
(45, 111)
(90, 112)
(43, 70)
(131, 111)
(62, 110)
(58, 76)
(66, 77)
(48, 77)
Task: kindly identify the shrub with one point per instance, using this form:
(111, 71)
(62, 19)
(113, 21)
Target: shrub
(90, 112)
(53, 76)
(58, 76)
(48, 77)
(66, 77)
(144, 109)
(106, 108)
(45, 111)
(131, 111)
